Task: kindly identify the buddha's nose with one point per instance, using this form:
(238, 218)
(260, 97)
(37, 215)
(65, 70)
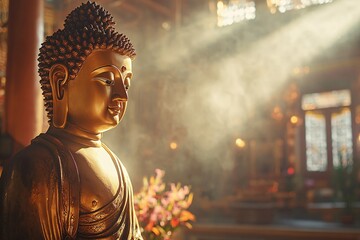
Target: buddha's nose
(119, 92)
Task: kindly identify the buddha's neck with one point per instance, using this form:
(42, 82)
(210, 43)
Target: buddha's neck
(75, 134)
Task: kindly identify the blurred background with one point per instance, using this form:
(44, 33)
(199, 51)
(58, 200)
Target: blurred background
(253, 103)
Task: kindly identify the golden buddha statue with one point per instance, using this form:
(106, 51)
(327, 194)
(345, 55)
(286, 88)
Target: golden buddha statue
(67, 184)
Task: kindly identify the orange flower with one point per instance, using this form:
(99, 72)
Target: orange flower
(186, 216)
(149, 226)
(155, 231)
(174, 222)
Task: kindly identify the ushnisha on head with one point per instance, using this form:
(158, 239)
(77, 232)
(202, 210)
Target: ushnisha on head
(87, 28)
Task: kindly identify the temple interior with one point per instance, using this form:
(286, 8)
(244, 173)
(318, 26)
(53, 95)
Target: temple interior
(253, 103)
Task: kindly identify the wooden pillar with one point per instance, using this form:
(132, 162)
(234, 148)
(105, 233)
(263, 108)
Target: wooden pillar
(23, 99)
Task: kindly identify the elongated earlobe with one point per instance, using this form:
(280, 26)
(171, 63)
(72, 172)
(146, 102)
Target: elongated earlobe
(59, 77)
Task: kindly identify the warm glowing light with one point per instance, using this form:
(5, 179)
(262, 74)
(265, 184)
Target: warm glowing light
(240, 143)
(166, 26)
(359, 137)
(173, 145)
(294, 119)
(246, 75)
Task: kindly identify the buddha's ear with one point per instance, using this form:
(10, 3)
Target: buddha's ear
(59, 76)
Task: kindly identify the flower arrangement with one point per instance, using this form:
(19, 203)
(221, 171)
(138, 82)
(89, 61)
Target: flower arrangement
(160, 211)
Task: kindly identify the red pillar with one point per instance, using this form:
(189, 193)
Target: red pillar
(23, 99)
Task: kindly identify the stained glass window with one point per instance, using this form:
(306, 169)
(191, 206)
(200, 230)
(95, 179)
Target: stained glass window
(341, 136)
(287, 5)
(235, 11)
(316, 154)
(338, 98)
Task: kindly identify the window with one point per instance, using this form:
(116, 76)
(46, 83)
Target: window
(234, 11)
(341, 137)
(316, 148)
(326, 100)
(328, 130)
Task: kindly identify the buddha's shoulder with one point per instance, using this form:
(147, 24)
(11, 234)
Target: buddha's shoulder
(33, 166)
(33, 158)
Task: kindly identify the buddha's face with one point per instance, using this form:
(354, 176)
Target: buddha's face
(97, 97)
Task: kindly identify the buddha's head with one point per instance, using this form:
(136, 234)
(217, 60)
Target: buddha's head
(85, 71)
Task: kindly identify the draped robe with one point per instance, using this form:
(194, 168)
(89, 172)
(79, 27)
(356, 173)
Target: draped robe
(40, 198)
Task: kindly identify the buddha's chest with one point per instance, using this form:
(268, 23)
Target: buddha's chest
(99, 178)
